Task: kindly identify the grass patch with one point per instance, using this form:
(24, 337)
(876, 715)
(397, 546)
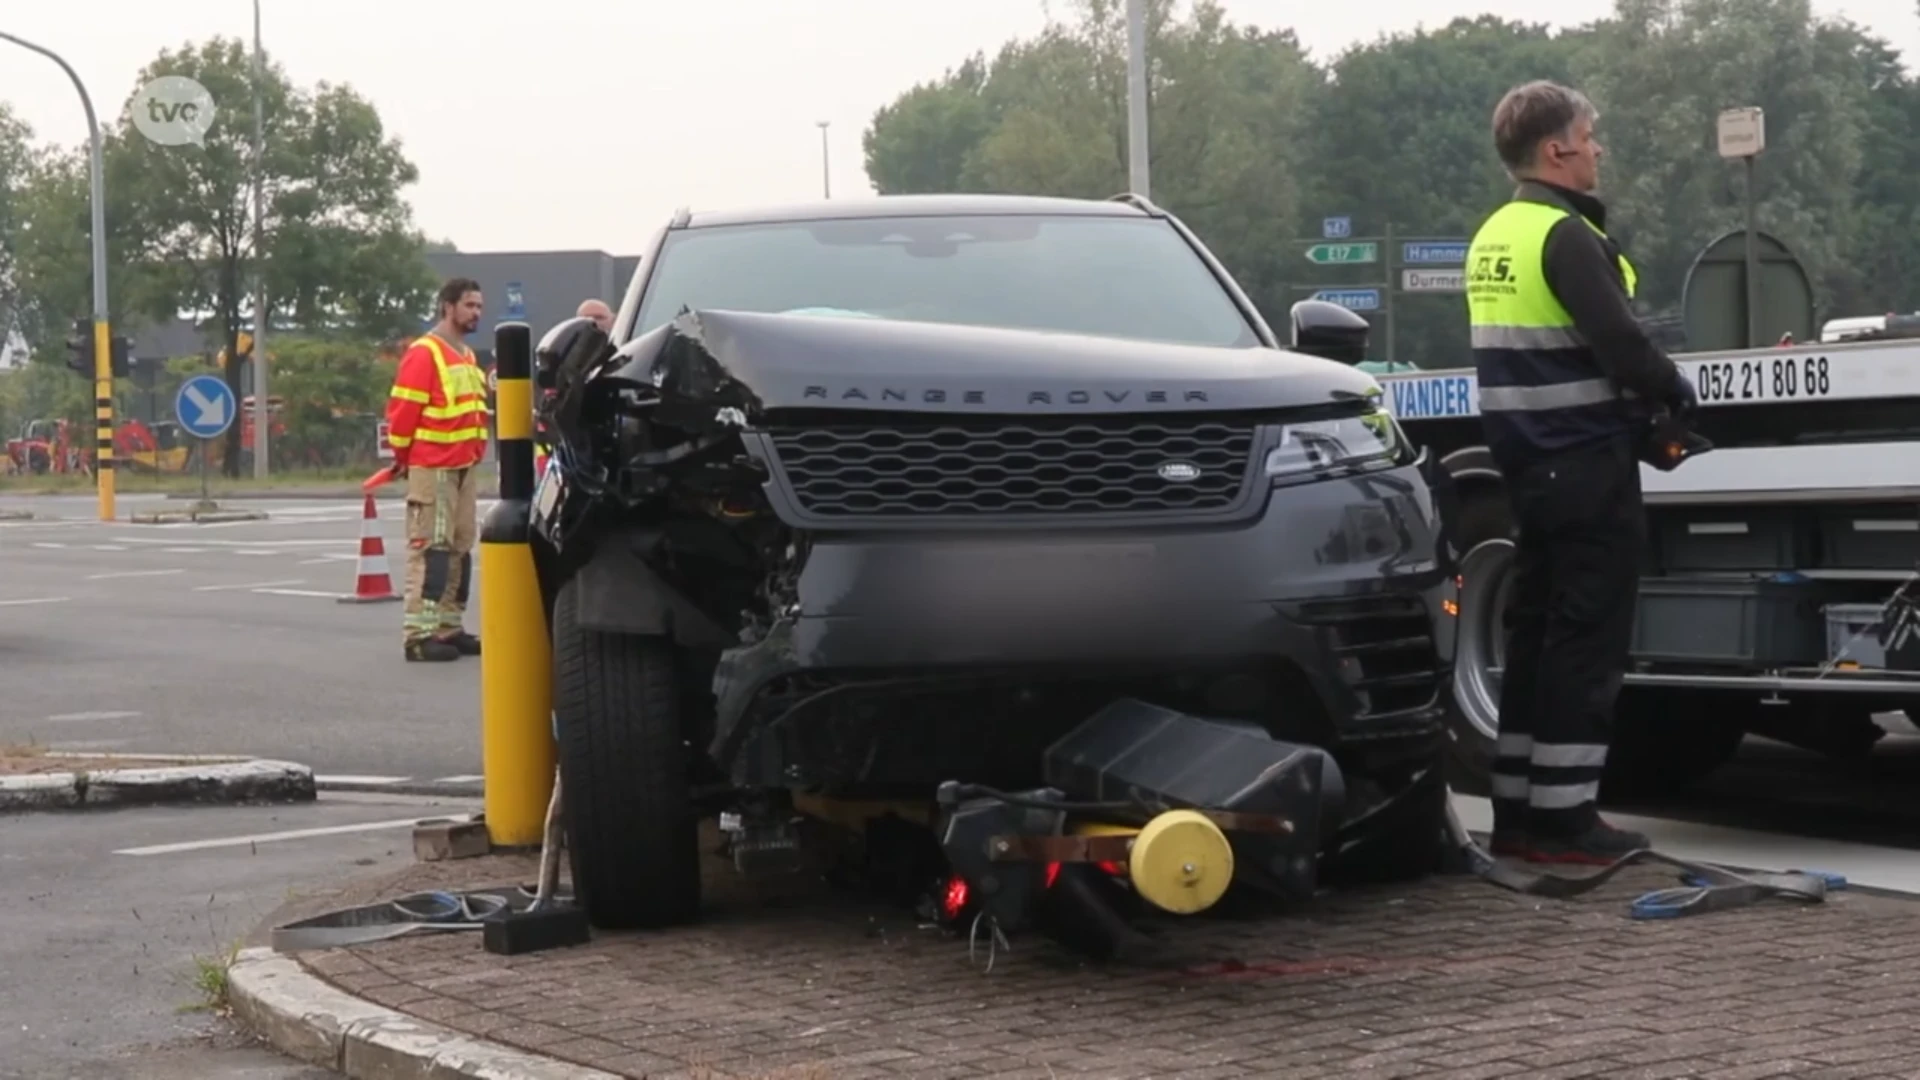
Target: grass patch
(210, 982)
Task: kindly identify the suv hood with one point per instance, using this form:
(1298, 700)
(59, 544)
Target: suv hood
(759, 362)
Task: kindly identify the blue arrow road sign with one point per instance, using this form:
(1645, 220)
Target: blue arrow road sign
(1336, 228)
(1353, 299)
(1431, 252)
(205, 406)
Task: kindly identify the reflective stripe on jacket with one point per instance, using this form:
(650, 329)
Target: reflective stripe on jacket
(1541, 388)
(437, 412)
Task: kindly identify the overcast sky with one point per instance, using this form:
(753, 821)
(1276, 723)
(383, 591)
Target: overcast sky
(711, 103)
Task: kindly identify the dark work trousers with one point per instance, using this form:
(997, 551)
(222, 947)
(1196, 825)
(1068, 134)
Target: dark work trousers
(1582, 529)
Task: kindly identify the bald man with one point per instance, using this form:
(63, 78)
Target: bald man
(601, 315)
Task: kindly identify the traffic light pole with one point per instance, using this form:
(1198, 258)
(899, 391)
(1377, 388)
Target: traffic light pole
(102, 343)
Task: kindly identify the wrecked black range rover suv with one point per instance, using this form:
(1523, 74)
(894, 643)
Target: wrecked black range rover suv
(933, 500)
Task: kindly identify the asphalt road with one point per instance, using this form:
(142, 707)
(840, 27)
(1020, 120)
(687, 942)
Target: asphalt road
(221, 638)
(111, 916)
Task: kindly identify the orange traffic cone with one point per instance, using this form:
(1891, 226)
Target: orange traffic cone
(373, 581)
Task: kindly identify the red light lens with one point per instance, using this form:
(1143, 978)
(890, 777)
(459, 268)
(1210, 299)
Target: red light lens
(952, 904)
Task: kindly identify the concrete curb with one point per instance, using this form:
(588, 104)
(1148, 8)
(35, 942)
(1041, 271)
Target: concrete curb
(229, 781)
(308, 1018)
(178, 517)
(465, 789)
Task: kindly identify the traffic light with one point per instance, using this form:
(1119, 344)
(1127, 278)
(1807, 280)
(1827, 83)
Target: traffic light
(80, 348)
(80, 352)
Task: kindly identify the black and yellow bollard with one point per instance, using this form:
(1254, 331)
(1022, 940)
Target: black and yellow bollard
(516, 685)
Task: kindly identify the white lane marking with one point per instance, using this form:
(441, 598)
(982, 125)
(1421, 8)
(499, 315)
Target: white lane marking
(459, 779)
(133, 573)
(249, 585)
(350, 778)
(36, 600)
(48, 544)
(298, 592)
(185, 551)
(315, 562)
(245, 551)
(108, 547)
(77, 716)
(268, 838)
(307, 542)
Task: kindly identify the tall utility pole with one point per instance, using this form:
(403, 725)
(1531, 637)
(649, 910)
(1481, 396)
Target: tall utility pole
(260, 465)
(102, 346)
(826, 182)
(1137, 181)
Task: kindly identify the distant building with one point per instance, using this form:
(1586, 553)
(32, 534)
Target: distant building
(539, 288)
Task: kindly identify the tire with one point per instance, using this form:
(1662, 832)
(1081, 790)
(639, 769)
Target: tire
(1483, 538)
(632, 829)
(1666, 741)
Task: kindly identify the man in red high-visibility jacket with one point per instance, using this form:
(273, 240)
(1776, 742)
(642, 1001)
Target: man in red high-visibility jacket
(437, 424)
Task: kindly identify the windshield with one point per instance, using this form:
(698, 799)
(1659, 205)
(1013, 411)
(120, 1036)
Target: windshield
(1113, 276)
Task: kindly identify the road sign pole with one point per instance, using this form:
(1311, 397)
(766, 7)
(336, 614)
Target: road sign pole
(1386, 299)
(205, 407)
(1742, 133)
(1753, 266)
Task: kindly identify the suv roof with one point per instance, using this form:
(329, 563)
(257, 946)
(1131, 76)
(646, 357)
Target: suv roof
(915, 206)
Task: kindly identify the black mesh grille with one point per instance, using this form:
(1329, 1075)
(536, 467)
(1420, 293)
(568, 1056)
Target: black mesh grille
(1071, 468)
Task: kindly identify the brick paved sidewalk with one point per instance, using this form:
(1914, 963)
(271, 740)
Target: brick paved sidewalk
(1450, 978)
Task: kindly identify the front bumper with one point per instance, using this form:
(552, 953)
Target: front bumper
(1338, 579)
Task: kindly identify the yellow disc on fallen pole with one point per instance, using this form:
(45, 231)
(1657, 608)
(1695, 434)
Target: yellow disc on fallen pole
(1181, 862)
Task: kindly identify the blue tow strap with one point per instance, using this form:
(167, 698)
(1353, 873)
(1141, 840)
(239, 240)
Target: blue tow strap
(1704, 887)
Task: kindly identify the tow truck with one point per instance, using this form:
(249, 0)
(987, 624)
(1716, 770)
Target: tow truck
(1776, 596)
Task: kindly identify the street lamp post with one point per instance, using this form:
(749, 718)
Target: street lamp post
(102, 362)
(826, 184)
(260, 465)
(1137, 180)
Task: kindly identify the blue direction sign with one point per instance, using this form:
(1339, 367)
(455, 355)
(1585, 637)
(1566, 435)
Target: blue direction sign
(205, 406)
(1434, 252)
(516, 301)
(1353, 299)
(1336, 228)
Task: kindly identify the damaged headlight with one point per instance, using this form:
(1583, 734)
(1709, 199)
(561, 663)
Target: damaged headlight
(1351, 443)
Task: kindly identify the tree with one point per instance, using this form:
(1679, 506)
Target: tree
(1402, 138)
(1662, 70)
(1049, 117)
(339, 248)
(15, 157)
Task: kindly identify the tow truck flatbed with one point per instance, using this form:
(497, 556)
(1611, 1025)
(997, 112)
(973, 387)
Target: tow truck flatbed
(1787, 374)
(1814, 479)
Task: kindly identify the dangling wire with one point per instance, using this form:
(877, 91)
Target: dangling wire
(996, 940)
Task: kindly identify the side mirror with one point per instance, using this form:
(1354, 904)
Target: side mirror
(576, 336)
(1329, 331)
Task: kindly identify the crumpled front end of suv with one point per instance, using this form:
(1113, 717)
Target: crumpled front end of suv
(910, 552)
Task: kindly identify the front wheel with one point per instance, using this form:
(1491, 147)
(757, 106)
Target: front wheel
(632, 829)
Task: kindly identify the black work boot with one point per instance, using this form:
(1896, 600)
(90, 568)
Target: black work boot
(432, 651)
(463, 641)
(1600, 845)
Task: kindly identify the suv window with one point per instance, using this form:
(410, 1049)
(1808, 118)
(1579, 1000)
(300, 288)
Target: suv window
(1113, 276)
